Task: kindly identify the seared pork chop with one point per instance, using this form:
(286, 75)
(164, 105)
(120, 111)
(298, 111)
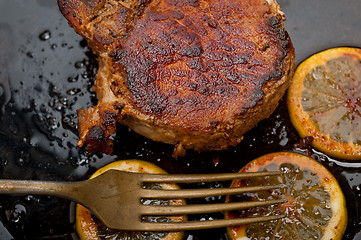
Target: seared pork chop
(194, 73)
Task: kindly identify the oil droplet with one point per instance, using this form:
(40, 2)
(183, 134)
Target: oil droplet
(45, 35)
(16, 214)
(79, 64)
(30, 54)
(73, 79)
(73, 91)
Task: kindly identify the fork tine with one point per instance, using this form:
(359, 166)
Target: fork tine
(207, 224)
(203, 208)
(190, 178)
(200, 193)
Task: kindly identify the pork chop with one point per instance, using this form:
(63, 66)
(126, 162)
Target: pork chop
(194, 73)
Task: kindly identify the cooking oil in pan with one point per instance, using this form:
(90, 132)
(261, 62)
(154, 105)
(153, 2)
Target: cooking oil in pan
(46, 75)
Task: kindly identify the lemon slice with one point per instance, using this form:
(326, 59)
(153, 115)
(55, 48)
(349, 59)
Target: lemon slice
(89, 228)
(324, 101)
(316, 207)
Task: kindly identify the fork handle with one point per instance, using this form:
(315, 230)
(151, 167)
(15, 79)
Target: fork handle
(67, 190)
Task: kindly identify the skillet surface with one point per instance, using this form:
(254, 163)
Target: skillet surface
(46, 75)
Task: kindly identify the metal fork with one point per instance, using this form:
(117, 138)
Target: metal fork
(115, 198)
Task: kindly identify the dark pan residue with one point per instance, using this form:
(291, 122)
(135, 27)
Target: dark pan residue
(46, 74)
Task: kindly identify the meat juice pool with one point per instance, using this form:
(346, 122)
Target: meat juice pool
(48, 76)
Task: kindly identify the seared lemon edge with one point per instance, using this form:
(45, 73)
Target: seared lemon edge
(301, 119)
(338, 221)
(86, 227)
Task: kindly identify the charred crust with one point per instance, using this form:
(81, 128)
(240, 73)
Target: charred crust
(119, 107)
(265, 47)
(102, 40)
(95, 135)
(277, 74)
(98, 144)
(97, 125)
(93, 3)
(195, 65)
(191, 51)
(76, 11)
(177, 15)
(68, 8)
(157, 105)
(158, 16)
(194, 3)
(108, 118)
(212, 23)
(116, 54)
(214, 124)
(140, 8)
(274, 22)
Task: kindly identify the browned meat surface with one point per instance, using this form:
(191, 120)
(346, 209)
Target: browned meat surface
(194, 73)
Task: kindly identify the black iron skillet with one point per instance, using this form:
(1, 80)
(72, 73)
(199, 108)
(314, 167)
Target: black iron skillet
(46, 75)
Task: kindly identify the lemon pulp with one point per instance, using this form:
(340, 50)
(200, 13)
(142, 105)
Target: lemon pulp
(90, 228)
(324, 101)
(315, 209)
(332, 97)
